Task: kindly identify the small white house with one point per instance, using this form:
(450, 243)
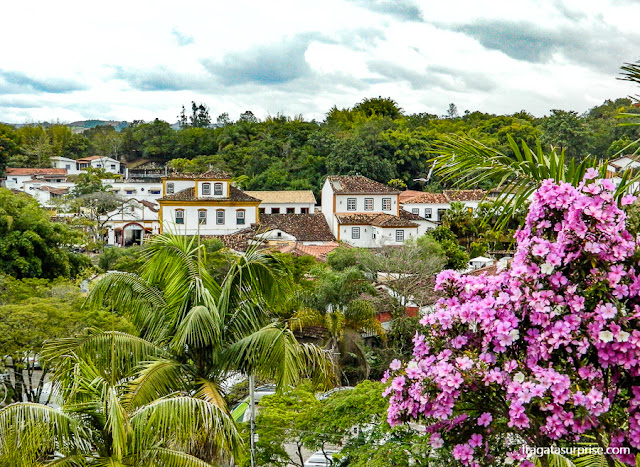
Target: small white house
(480, 262)
(100, 162)
(67, 163)
(15, 178)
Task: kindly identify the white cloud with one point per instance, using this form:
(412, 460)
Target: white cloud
(131, 60)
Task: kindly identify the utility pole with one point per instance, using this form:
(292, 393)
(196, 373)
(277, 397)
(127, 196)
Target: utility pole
(252, 422)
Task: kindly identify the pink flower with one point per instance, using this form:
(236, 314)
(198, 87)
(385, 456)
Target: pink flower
(436, 441)
(476, 440)
(627, 199)
(395, 365)
(485, 419)
(591, 174)
(463, 453)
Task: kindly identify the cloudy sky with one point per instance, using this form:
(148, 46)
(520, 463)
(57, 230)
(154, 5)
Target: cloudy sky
(141, 59)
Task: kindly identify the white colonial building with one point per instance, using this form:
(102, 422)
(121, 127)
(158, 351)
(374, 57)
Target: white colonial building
(205, 204)
(148, 191)
(365, 213)
(285, 202)
(100, 162)
(133, 223)
(15, 178)
(70, 165)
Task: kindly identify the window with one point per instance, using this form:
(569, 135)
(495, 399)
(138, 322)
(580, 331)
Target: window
(113, 167)
(368, 204)
(291, 210)
(179, 216)
(220, 216)
(129, 192)
(202, 216)
(260, 210)
(275, 210)
(304, 210)
(206, 189)
(355, 233)
(427, 213)
(386, 204)
(217, 189)
(154, 192)
(240, 216)
(68, 166)
(399, 235)
(99, 166)
(415, 211)
(170, 188)
(351, 204)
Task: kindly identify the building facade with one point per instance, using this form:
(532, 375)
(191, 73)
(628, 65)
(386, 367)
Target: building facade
(205, 204)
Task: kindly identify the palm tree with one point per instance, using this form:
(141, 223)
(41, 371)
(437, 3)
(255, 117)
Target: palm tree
(101, 424)
(206, 330)
(467, 162)
(336, 305)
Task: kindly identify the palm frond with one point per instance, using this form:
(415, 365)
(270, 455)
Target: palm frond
(200, 327)
(162, 457)
(118, 351)
(133, 295)
(210, 392)
(467, 162)
(274, 353)
(156, 379)
(18, 422)
(184, 421)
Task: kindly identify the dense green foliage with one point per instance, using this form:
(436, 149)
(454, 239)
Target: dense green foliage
(352, 420)
(31, 245)
(33, 311)
(374, 138)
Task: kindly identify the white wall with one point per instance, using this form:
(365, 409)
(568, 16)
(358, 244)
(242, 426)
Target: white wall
(225, 190)
(65, 163)
(341, 204)
(374, 236)
(326, 207)
(141, 190)
(106, 163)
(179, 185)
(422, 206)
(191, 226)
(297, 207)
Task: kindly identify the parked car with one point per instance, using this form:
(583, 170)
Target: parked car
(321, 459)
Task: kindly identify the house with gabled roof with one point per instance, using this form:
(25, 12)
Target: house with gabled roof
(205, 204)
(432, 206)
(15, 178)
(364, 213)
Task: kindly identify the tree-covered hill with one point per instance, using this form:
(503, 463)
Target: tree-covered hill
(374, 138)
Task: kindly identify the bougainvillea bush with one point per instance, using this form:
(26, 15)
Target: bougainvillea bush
(545, 353)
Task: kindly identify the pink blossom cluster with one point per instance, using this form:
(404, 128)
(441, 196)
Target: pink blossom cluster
(544, 350)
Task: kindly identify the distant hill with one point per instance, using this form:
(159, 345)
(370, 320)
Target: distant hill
(78, 126)
(86, 124)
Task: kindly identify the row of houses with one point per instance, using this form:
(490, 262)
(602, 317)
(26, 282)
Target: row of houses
(353, 209)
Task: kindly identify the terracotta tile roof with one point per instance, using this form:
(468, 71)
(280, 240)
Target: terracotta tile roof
(238, 241)
(404, 214)
(489, 271)
(152, 206)
(427, 198)
(188, 194)
(379, 220)
(319, 252)
(408, 194)
(54, 191)
(357, 184)
(305, 227)
(464, 195)
(26, 171)
(297, 196)
(211, 174)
